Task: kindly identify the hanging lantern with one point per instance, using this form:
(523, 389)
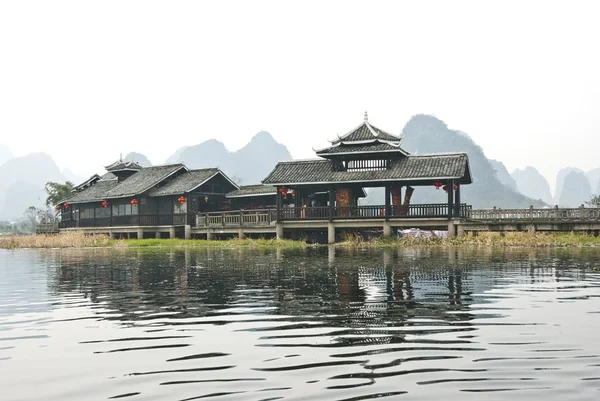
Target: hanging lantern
(283, 191)
(134, 202)
(437, 185)
(455, 187)
(105, 204)
(57, 208)
(206, 199)
(445, 188)
(181, 200)
(66, 205)
(293, 193)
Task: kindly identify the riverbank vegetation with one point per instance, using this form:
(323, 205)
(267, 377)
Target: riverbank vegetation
(484, 239)
(81, 240)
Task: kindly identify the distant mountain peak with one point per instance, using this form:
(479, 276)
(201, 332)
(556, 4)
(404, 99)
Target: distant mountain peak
(249, 165)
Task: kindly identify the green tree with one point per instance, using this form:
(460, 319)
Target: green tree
(57, 192)
(594, 201)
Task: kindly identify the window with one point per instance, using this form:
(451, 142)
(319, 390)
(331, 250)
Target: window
(365, 165)
(102, 212)
(86, 213)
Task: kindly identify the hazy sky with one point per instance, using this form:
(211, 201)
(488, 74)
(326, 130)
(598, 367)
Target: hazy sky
(84, 81)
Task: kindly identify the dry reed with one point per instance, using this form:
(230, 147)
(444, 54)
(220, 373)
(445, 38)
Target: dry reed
(64, 240)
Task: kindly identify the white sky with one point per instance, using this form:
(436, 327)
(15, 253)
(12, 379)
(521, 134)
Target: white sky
(84, 81)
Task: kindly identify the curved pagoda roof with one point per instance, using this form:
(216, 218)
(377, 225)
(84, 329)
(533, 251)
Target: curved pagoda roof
(122, 165)
(363, 139)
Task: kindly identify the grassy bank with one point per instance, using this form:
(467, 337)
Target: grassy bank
(80, 240)
(486, 239)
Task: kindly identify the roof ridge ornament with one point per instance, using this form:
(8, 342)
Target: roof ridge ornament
(366, 116)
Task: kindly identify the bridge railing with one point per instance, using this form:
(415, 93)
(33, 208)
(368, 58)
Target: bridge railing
(265, 217)
(259, 217)
(531, 214)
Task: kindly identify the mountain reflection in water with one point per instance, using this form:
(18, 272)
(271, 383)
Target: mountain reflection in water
(318, 323)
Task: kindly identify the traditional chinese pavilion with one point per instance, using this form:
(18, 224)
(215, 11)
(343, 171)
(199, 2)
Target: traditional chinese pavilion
(366, 157)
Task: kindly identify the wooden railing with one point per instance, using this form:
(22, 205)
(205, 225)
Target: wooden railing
(252, 218)
(132, 220)
(264, 217)
(46, 228)
(551, 215)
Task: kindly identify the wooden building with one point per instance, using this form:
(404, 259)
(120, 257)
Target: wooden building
(369, 157)
(128, 195)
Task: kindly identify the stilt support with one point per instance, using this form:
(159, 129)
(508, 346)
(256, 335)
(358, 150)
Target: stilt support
(387, 229)
(330, 233)
(187, 231)
(451, 229)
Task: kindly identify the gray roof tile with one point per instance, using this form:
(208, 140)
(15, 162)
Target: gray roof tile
(95, 193)
(143, 180)
(413, 167)
(185, 182)
(363, 133)
(373, 147)
(252, 190)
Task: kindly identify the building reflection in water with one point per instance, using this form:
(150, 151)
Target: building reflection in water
(358, 288)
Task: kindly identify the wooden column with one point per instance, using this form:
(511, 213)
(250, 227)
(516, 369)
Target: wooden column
(387, 201)
(298, 203)
(450, 186)
(331, 202)
(278, 204)
(457, 201)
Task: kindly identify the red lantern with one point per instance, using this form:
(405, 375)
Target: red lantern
(206, 199)
(181, 200)
(66, 205)
(105, 204)
(134, 202)
(293, 193)
(437, 185)
(446, 187)
(57, 208)
(283, 191)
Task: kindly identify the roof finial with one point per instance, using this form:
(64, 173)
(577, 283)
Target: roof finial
(366, 116)
(120, 156)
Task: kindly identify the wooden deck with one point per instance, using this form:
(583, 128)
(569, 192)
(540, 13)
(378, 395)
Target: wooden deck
(306, 219)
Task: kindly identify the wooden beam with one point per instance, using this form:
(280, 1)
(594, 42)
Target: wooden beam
(331, 202)
(450, 198)
(387, 201)
(457, 201)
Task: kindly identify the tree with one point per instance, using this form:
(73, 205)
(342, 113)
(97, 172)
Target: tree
(30, 218)
(594, 201)
(57, 192)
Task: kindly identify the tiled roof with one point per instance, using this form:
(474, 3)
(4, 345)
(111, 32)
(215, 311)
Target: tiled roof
(366, 131)
(252, 190)
(421, 167)
(143, 180)
(86, 183)
(373, 147)
(185, 182)
(94, 193)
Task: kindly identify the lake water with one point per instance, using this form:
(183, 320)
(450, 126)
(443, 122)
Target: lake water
(316, 324)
